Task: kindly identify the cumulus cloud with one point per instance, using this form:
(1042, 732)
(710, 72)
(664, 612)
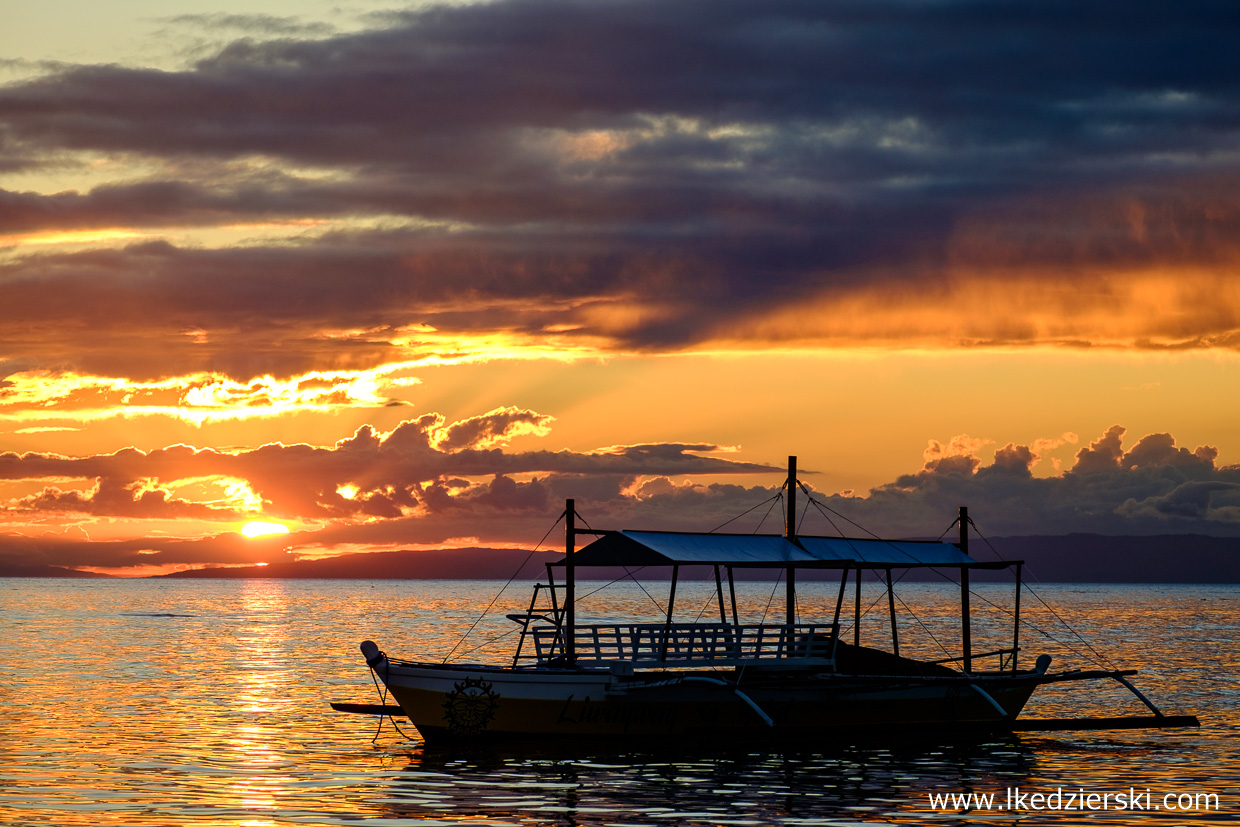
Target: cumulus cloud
(1152, 488)
(1015, 459)
(403, 490)
(1104, 454)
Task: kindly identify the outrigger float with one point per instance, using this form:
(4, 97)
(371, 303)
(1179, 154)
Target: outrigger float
(753, 680)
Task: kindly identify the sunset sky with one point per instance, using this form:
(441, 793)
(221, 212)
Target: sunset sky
(408, 276)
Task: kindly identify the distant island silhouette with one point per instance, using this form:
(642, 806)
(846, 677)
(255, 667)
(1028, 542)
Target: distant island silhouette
(1073, 558)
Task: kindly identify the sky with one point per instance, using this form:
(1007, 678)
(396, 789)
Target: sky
(312, 278)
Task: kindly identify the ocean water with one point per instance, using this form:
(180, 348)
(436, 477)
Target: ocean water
(205, 702)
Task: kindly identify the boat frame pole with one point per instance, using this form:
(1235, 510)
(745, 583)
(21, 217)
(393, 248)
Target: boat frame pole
(732, 596)
(966, 630)
(891, 607)
(790, 533)
(839, 600)
(857, 611)
(1016, 619)
(671, 607)
(570, 582)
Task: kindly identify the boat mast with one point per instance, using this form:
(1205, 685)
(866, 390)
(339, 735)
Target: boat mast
(570, 583)
(790, 533)
(966, 632)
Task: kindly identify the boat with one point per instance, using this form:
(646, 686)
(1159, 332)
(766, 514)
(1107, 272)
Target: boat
(669, 677)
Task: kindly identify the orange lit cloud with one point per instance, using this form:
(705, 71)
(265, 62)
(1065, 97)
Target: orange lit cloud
(40, 395)
(384, 491)
(1090, 308)
(421, 466)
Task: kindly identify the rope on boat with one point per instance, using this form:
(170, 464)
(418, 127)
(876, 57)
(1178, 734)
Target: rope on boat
(383, 694)
(823, 508)
(1024, 584)
(489, 641)
(629, 574)
(1098, 656)
(527, 559)
(913, 615)
(772, 500)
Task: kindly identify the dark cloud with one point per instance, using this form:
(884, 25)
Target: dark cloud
(1155, 487)
(257, 24)
(717, 160)
(121, 498)
(1105, 454)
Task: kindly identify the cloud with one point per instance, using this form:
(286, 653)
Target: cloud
(1160, 451)
(1189, 500)
(494, 428)
(302, 218)
(1015, 459)
(1105, 454)
(416, 466)
(633, 175)
(258, 24)
(403, 490)
(1155, 487)
(118, 498)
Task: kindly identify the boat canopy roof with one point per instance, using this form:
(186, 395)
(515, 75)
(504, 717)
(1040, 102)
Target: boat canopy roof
(672, 548)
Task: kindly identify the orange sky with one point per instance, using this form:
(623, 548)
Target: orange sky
(326, 272)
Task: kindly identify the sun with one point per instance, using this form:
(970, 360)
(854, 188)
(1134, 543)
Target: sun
(263, 529)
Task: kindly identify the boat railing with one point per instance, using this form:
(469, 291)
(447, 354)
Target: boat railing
(691, 644)
(1007, 657)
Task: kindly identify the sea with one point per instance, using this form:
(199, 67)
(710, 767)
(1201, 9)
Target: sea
(206, 702)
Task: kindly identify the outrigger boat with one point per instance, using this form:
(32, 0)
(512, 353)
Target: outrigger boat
(754, 680)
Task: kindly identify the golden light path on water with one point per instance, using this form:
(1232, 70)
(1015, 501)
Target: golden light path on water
(205, 702)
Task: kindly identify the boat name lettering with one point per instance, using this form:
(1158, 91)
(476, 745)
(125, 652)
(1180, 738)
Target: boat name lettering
(626, 715)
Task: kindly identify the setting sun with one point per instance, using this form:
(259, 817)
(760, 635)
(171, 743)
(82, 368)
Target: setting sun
(263, 529)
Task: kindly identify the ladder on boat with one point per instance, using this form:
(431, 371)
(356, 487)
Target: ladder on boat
(552, 611)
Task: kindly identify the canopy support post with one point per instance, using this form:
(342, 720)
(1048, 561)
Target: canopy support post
(857, 612)
(671, 605)
(790, 597)
(723, 614)
(732, 592)
(891, 606)
(839, 600)
(1016, 619)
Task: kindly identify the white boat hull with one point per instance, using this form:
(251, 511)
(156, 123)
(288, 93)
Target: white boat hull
(472, 701)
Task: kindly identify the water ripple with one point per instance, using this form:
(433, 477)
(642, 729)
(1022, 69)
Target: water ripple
(220, 717)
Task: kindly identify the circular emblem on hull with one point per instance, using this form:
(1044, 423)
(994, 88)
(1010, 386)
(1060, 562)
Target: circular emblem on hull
(470, 706)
